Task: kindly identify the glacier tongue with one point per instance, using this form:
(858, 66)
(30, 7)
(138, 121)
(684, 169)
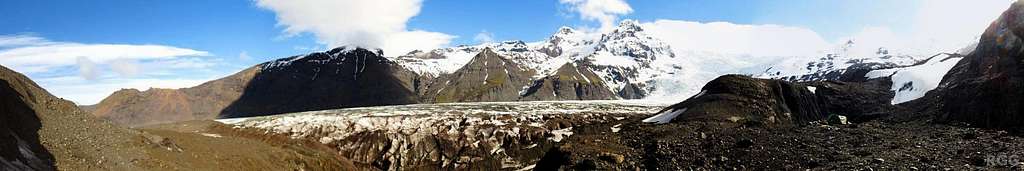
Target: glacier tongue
(453, 135)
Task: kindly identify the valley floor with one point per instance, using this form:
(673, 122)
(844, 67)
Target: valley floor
(209, 145)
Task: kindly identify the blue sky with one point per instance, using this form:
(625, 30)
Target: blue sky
(200, 40)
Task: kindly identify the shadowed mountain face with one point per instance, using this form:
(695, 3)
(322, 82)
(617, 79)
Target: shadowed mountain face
(19, 126)
(339, 78)
(986, 88)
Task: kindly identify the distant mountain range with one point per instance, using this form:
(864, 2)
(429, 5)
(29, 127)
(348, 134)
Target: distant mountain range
(624, 63)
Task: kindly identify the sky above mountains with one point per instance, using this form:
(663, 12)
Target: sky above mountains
(85, 50)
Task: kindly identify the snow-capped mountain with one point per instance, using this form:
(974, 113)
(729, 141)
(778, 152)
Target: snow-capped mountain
(627, 59)
(837, 64)
(911, 75)
(635, 64)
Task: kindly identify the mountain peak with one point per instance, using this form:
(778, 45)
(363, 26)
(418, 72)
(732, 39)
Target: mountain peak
(353, 49)
(336, 55)
(565, 30)
(629, 25)
(488, 51)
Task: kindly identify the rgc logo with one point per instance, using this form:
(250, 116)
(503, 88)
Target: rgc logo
(1002, 160)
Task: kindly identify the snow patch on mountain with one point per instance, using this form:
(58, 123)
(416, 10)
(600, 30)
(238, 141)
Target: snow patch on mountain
(913, 82)
(836, 62)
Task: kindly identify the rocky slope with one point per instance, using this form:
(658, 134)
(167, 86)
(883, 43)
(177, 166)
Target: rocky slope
(570, 82)
(984, 88)
(43, 132)
(20, 148)
(133, 107)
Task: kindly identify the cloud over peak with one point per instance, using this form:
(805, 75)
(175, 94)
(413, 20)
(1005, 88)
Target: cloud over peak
(368, 24)
(605, 12)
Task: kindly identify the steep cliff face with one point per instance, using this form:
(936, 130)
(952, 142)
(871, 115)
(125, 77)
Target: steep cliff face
(487, 77)
(985, 88)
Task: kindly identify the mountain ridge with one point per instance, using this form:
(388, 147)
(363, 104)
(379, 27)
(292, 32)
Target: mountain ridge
(624, 63)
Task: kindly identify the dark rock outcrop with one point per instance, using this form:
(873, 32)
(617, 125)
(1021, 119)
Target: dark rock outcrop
(339, 78)
(986, 88)
(744, 100)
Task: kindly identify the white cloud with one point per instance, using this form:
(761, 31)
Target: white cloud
(370, 24)
(936, 26)
(949, 24)
(605, 12)
(29, 54)
(484, 37)
(729, 38)
(102, 68)
(88, 92)
(20, 40)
